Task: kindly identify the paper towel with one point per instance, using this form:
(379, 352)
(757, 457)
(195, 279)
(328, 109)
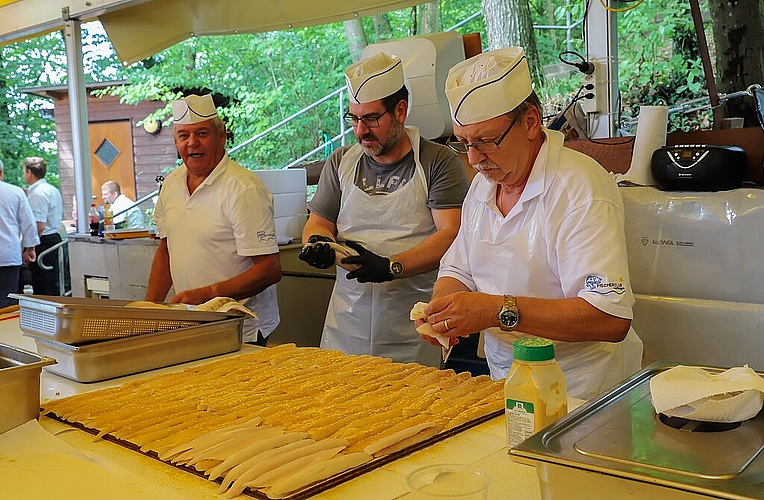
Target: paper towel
(417, 312)
(693, 393)
(651, 135)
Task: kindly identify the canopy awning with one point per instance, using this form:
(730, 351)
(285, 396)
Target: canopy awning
(140, 28)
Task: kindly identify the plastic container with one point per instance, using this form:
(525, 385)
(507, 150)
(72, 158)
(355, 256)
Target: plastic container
(94, 220)
(108, 217)
(534, 391)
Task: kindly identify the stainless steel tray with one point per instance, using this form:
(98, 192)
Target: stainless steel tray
(115, 358)
(617, 439)
(19, 385)
(74, 320)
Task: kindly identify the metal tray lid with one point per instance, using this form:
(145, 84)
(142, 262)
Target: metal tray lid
(619, 433)
(112, 307)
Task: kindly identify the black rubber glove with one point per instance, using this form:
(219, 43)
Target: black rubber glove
(320, 255)
(374, 268)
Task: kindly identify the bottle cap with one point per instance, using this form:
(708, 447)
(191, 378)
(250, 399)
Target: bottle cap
(533, 349)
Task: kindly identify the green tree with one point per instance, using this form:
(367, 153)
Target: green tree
(26, 127)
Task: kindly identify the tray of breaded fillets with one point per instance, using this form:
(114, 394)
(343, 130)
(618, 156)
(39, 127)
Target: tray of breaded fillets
(76, 321)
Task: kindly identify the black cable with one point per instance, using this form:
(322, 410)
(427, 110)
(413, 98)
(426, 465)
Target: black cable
(584, 66)
(572, 101)
(587, 137)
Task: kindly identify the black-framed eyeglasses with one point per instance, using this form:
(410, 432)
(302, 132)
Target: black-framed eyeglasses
(482, 146)
(368, 120)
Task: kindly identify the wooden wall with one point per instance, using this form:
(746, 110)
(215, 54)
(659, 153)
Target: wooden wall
(152, 154)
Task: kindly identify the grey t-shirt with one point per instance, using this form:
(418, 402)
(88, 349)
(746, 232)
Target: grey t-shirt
(447, 181)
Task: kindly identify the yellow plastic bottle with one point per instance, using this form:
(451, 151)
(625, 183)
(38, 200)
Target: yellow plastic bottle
(108, 217)
(534, 391)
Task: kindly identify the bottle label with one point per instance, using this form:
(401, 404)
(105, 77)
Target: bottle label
(520, 421)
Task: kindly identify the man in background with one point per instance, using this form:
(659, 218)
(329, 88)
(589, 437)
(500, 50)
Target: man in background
(215, 223)
(18, 237)
(120, 203)
(47, 207)
(395, 198)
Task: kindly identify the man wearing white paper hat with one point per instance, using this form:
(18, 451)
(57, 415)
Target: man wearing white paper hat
(215, 221)
(395, 199)
(541, 250)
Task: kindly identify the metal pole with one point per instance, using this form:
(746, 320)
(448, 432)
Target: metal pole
(708, 72)
(343, 142)
(78, 112)
(600, 35)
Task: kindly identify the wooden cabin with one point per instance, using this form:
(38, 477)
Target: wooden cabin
(120, 148)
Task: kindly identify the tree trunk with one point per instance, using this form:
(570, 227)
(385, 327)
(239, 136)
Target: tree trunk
(508, 23)
(382, 27)
(356, 38)
(738, 32)
(190, 55)
(430, 18)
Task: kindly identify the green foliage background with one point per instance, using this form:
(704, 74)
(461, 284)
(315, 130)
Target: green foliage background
(269, 76)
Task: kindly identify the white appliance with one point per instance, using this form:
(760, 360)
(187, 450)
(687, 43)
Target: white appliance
(289, 187)
(426, 61)
(697, 274)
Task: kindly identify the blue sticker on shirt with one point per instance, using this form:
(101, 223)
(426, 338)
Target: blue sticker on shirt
(597, 285)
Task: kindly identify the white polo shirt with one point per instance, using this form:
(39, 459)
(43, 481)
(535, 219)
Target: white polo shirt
(47, 205)
(212, 234)
(564, 238)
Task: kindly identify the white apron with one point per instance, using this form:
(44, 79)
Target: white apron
(373, 318)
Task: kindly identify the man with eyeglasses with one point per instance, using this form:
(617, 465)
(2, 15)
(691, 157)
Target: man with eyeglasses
(394, 199)
(541, 251)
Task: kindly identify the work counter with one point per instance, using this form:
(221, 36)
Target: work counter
(483, 446)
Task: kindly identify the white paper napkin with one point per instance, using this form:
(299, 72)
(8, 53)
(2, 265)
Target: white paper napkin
(693, 393)
(340, 251)
(417, 312)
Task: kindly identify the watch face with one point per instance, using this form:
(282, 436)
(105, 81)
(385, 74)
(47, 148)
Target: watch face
(509, 319)
(396, 268)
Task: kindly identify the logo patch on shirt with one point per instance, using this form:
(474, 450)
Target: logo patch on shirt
(263, 236)
(598, 285)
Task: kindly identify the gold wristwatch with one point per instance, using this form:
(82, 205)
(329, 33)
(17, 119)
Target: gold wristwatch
(509, 315)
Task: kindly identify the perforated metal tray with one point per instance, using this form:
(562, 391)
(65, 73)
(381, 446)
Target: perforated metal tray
(73, 320)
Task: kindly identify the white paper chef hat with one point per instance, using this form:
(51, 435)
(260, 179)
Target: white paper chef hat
(193, 109)
(488, 85)
(374, 78)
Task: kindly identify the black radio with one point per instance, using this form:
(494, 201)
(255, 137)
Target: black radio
(698, 167)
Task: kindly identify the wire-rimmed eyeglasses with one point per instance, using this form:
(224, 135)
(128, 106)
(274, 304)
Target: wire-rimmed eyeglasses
(482, 146)
(370, 121)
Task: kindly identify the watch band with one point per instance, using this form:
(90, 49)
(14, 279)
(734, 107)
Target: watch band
(509, 315)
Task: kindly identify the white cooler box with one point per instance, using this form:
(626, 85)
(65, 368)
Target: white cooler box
(290, 201)
(706, 245)
(700, 332)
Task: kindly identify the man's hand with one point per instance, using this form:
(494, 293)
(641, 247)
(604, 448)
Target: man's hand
(317, 254)
(194, 296)
(374, 268)
(28, 255)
